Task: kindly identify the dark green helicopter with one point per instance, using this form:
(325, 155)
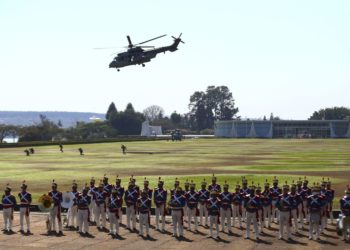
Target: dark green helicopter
(137, 55)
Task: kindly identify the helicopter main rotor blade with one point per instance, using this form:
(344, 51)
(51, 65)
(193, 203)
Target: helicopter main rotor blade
(151, 39)
(129, 40)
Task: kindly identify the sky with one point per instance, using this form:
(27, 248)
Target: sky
(290, 58)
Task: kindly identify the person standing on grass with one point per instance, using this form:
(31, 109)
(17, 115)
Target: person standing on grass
(177, 202)
(176, 185)
(61, 147)
(25, 200)
(55, 213)
(8, 204)
(213, 206)
(123, 148)
(159, 198)
(214, 186)
(204, 195)
(92, 205)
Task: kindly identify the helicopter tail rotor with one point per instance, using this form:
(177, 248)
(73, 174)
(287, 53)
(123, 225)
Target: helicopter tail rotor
(179, 38)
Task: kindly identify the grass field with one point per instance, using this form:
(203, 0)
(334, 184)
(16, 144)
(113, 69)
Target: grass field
(192, 159)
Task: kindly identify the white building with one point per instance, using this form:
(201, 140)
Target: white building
(148, 130)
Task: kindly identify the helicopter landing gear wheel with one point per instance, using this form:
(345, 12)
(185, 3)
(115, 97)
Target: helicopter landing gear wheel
(143, 65)
(118, 70)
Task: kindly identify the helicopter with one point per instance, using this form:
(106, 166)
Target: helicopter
(137, 55)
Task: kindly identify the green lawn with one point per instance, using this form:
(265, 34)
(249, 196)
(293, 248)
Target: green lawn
(194, 159)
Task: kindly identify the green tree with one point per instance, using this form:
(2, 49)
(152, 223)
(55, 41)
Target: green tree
(216, 103)
(7, 131)
(175, 118)
(111, 110)
(335, 113)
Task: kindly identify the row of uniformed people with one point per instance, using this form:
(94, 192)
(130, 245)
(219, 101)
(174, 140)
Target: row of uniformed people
(250, 201)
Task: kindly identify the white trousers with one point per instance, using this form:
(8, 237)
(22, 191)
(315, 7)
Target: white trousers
(236, 214)
(82, 219)
(284, 217)
(7, 214)
(192, 213)
(267, 216)
(92, 208)
(130, 216)
(275, 211)
(307, 215)
(100, 215)
(295, 223)
(144, 222)
(160, 212)
(113, 223)
(22, 215)
(203, 212)
(225, 214)
(120, 214)
(251, 218)
(72, 216)
(314, 227)
(53, 216)
(213, 220)
(301, 215)
(261, 219)
(177, 221)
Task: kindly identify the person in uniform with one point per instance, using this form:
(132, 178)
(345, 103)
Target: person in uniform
(81, 151)
(203, 197)
(176, 203)
(61, 147)
(144, 208)
(330, 196)
(92, 205)
(226, 208)
(8, 203)
(296, 200)
(176, 185)
(214, 186)
(160, 197)
(213, 206)
(345, 210)
(237, 201)
(275, 191)
(25, 200)
(114, 204)
(260, 215)
(146, 188)
(315, 203)
(73, 210)
(130, 197)
(123, 148)
(266, 201)
(120, 192)
(244, 192)
(108, 189)
(186, 189)
(252, 203)
(305, 192)
(83, 201)
(100, 198)
(301, 210)
(284, 205)
(192, 199)
(56, 211)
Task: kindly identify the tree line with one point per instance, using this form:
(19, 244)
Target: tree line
(205, 107)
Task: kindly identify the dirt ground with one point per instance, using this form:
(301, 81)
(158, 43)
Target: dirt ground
(130, 240)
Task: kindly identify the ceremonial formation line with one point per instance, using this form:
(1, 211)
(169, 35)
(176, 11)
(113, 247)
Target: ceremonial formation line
(291, 206)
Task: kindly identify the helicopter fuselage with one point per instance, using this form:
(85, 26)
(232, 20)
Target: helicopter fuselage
(139, 56)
